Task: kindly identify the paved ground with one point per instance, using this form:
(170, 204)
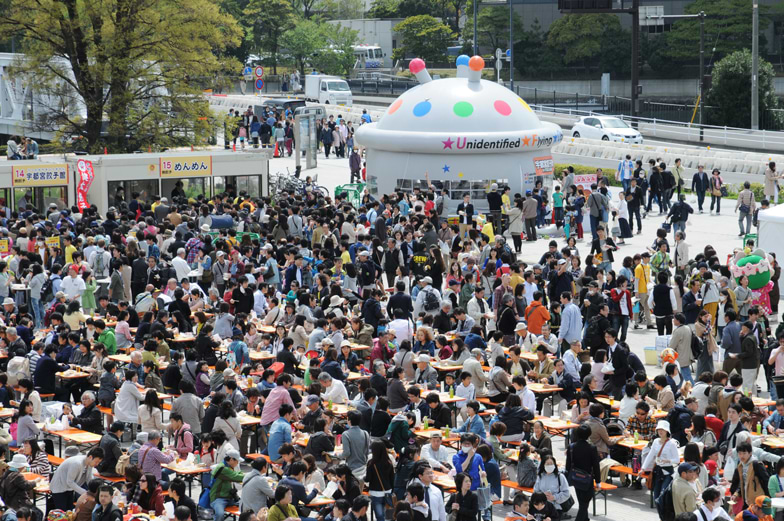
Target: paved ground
(720, 231)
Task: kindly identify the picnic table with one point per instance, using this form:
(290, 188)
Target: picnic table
(77, 436)
(188, 472)
(73, 374)
(629, 443)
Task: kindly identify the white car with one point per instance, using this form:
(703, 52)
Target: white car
(606, 128)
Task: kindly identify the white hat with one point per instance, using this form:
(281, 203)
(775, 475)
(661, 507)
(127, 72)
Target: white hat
(427, 280)
(423, 358)
(520, 326)
(561, 261)
(205, 228)
(19, 461)
(220, 253)
(267, 247)
(8, 301)
(663, 424)
(228, 373)
(363, 253)
(336, 300)
(345, 343)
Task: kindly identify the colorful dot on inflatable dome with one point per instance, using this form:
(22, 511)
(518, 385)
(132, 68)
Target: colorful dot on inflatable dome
(396, 105)
(524, 104)
(463, 59)
(463, 109)
(416, 65)
(476, 63)
(422, 108)
(502, 107)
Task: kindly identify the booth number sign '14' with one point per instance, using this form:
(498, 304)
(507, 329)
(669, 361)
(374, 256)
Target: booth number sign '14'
(86, 177)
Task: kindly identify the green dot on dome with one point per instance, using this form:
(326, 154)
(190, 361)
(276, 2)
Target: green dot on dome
(463, 109)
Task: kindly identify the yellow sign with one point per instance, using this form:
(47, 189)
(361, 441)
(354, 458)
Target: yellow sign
(4, 247)
(39, 175)
(186, 166)
(53, 242)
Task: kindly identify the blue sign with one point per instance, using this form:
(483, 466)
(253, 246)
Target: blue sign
(259, 84)
(247, 71)
(508, 53)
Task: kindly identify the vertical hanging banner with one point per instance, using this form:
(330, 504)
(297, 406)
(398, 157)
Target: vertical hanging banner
(86, 177)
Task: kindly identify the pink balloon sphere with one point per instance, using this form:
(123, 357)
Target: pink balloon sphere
(416, 65)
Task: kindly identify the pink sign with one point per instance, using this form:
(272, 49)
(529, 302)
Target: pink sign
(86, 177)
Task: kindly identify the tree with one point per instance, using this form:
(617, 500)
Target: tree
(337, 56)
(384, 9)
(341, 9)
(305, 8)
(135, 59)
(727, 29)
(730, 90)
(533, 58)
(303, 41)
(423, 36)
(578, 37)
(492, 27)
(409, 8)
(269, 19)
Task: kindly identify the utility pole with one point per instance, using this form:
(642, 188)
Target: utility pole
(511, 48)
(635, 57)
(476, 9)
(702, 64)
(755, 67)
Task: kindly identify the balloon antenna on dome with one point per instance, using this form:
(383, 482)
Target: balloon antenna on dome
(462, 66)
(417, 68)
(475, 65)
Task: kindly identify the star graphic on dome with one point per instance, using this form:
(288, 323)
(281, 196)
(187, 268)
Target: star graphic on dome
(526, 141)
(445, 169)
(448, 143)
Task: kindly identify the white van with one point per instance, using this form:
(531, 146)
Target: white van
(328, 90)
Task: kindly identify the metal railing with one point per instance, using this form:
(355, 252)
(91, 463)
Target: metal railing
(766, 140)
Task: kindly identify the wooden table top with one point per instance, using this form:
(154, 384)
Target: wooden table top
(77, 435)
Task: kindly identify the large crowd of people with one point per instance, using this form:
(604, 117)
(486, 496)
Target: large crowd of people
(320, 360)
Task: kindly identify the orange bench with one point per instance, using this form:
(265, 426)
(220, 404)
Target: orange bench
(508, 483)
(601, 490)
(233, 512)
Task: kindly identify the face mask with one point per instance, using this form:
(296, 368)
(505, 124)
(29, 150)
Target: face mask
(549, 468)
(466, 449)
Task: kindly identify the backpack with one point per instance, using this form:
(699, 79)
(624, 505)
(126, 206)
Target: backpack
(431, 301)
(46, 290)
(665, 505)
(99, 267)
(697, 346)
(592, 332)
(123, 462)
(440, 205)
(18, 368)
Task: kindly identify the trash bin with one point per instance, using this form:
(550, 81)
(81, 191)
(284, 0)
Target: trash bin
(353, 192)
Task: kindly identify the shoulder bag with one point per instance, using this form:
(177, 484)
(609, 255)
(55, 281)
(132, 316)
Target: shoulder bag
(578, 478)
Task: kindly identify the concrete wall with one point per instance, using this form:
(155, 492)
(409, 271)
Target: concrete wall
(686, 88)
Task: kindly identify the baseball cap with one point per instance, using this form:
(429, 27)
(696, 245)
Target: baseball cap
(762, 501)
(427, 280)
(311, 399)
(561, 261)
(234, 454)
(686, 467)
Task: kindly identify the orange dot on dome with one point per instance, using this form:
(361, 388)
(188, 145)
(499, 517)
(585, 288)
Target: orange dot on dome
(396, 105)
(476, 63)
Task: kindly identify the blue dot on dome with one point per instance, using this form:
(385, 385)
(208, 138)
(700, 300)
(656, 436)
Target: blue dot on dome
(462, 60)
(422, 108)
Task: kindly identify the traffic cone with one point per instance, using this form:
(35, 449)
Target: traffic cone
(105, 151)
(277, 152)
(191, 148)
(234, 147)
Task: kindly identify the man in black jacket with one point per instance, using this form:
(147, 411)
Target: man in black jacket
(90, 418)
(440, 415)
(138, 274)
(494, 202)
(635, 198)
(106, 510)
(112, 450)
(680, 419)
(619, 356)
(401, 300)
(700, 184)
